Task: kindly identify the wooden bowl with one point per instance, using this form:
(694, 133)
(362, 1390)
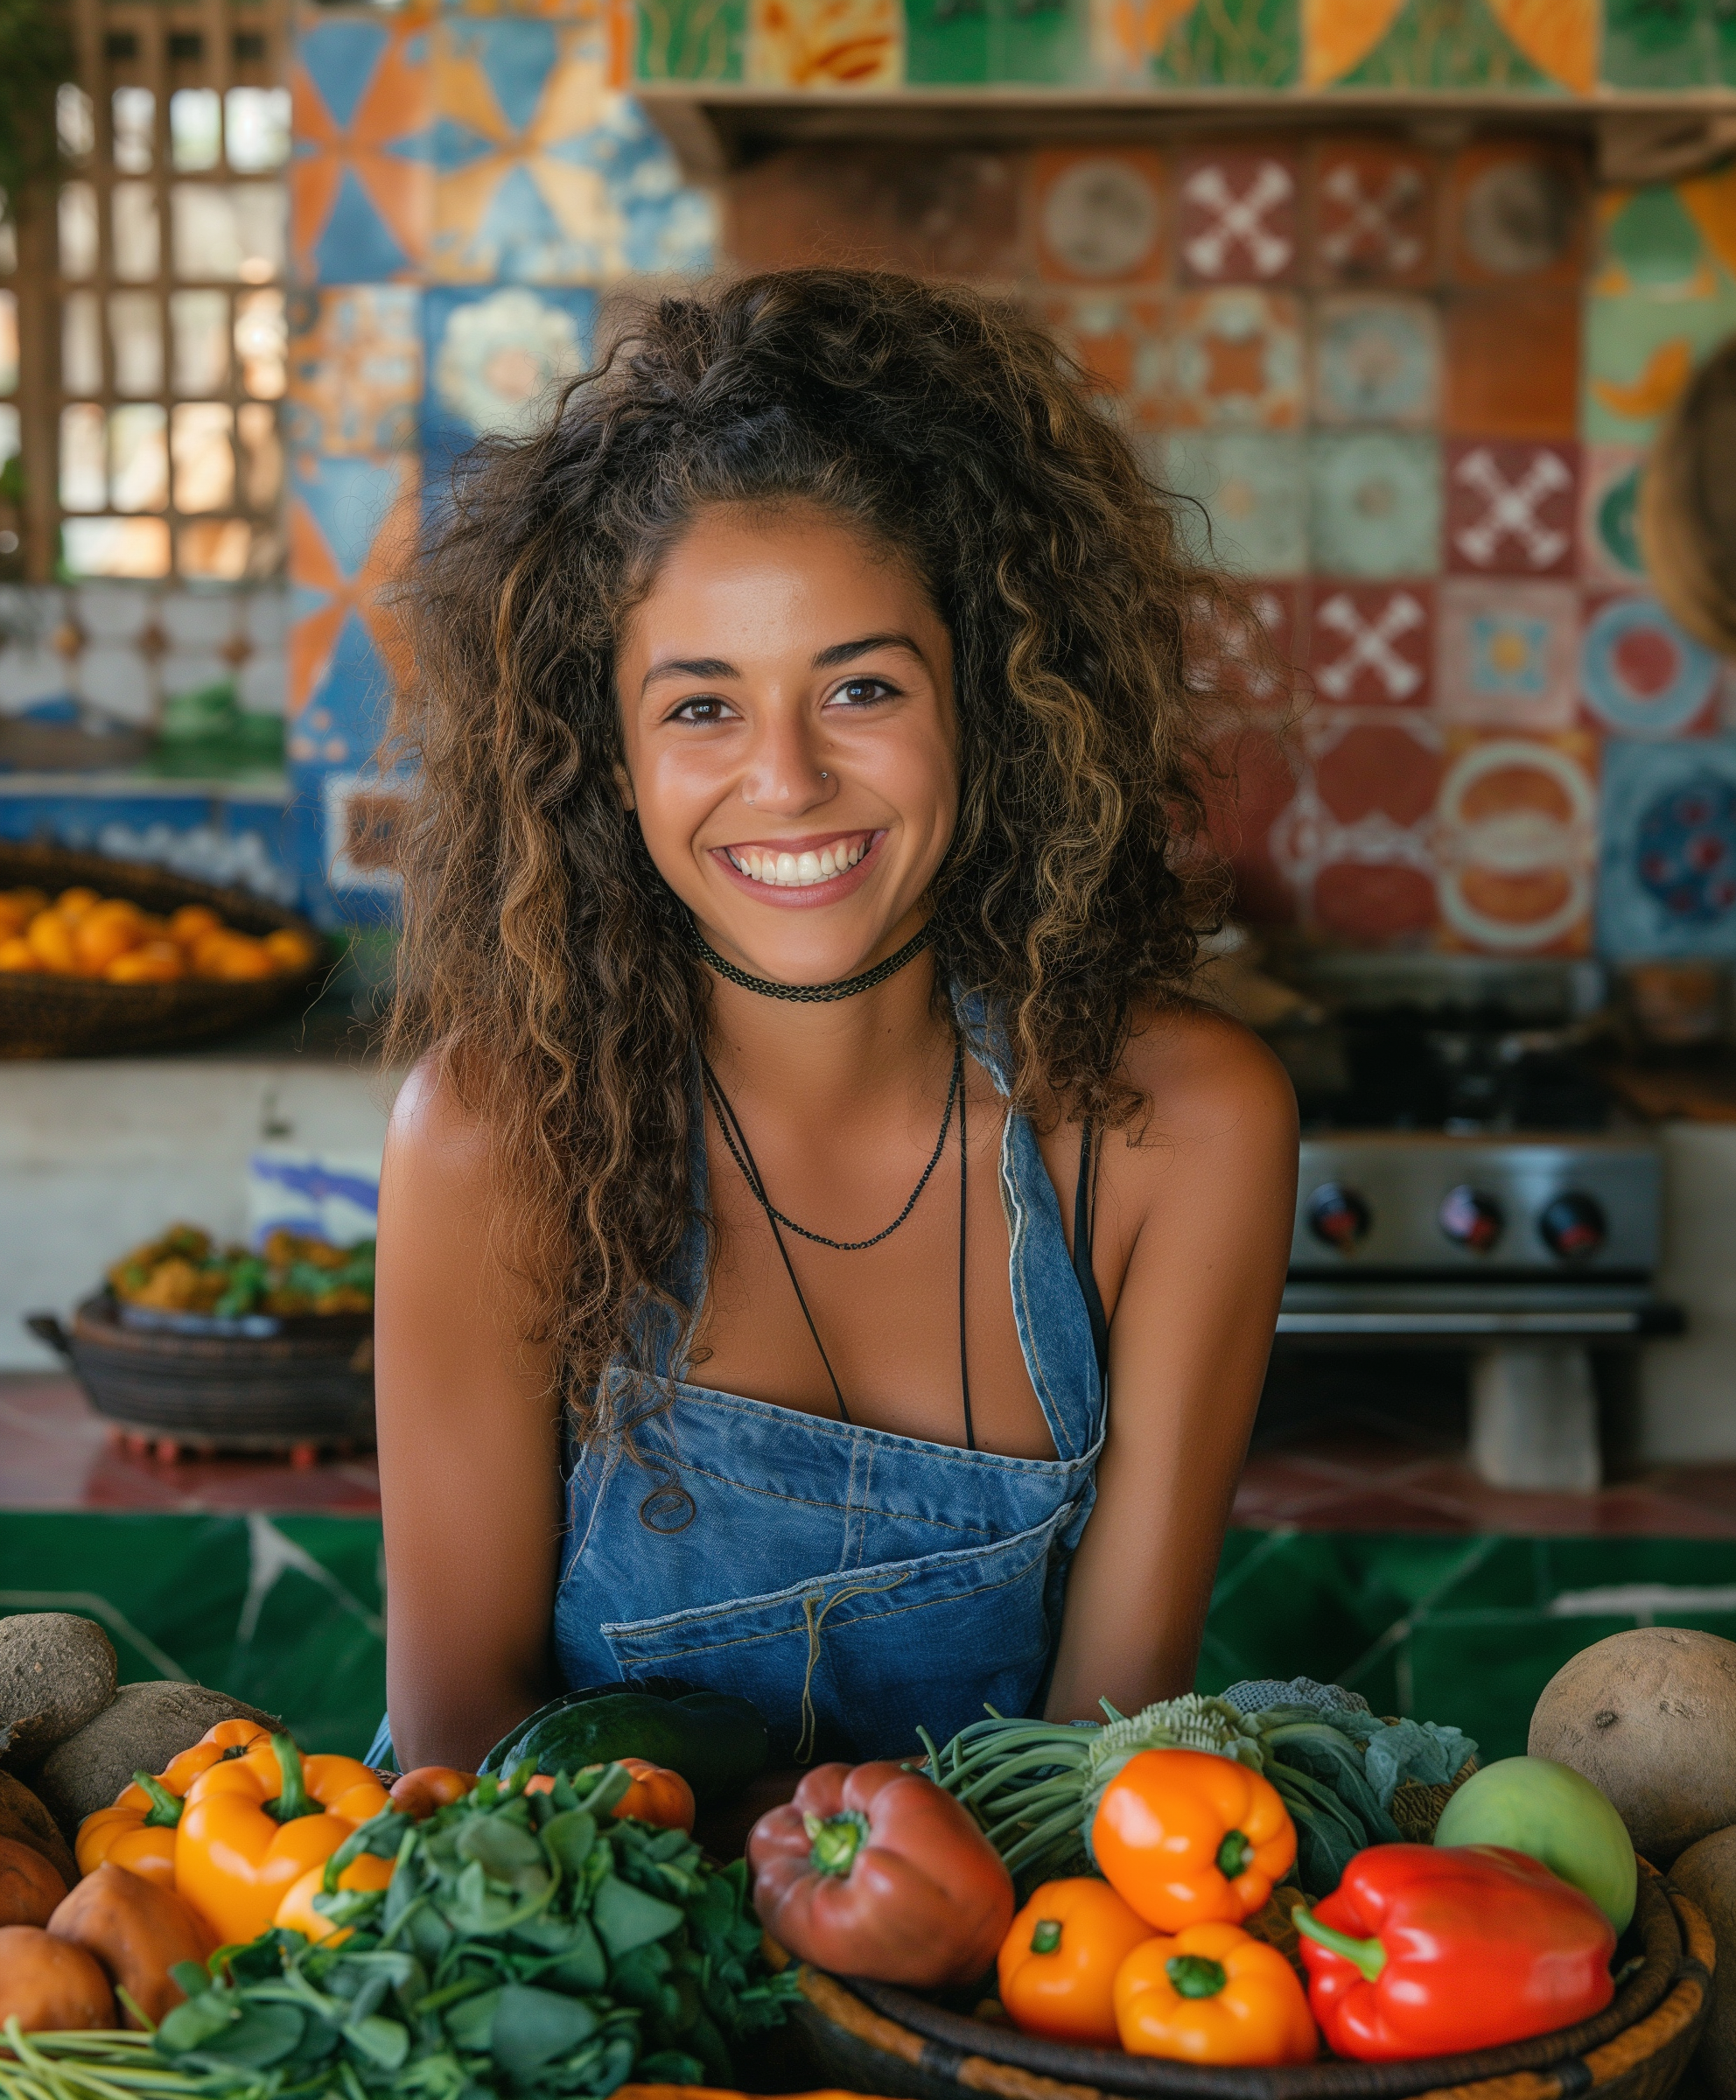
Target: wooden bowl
(874, 2037)
(308, 1384)
(43, 1016)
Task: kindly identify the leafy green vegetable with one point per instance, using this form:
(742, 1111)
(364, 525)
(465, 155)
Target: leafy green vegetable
(527, 1944)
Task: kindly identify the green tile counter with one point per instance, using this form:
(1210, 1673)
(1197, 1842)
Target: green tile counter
(285, 1611)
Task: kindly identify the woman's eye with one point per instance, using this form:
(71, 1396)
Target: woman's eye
(863, 692)
(702, 710)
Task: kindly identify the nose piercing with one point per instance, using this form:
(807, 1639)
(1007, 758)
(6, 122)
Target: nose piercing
(825, 776)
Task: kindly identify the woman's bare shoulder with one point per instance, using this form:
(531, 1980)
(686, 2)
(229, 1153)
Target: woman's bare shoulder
(434, 1134)
(1207, 1081)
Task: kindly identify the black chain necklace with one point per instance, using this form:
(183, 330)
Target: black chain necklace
(811, 995)
(736, 1138)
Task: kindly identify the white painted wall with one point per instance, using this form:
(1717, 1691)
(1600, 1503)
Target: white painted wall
(1687, 1387)
(98, 1154)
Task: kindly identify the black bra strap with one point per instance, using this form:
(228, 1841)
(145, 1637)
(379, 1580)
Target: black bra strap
(1084, 1219)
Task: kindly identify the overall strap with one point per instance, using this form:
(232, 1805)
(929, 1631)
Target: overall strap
(1084, 1219)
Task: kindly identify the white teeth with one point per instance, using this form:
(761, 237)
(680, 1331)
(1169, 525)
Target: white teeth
(797, 871)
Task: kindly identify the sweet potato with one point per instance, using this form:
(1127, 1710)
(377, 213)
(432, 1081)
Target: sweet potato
(142, 1727)
(26, 1818)
(29, 1887)
(136, 1930)
(48, 1983)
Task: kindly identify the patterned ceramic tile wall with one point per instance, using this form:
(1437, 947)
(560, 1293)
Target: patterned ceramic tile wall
(1410, 391)
(467, 182)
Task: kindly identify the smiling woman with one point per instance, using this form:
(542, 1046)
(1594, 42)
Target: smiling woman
(805, 850)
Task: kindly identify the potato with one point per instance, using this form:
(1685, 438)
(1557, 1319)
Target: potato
(26, 1818)
(30, 1888)
(142, 1728)
(1707, 1874)
(56, 1672)
(1650, 1717)
(137, 1931)
(45, 1982)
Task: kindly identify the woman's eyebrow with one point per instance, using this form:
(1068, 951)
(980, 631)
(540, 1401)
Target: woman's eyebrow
(841, 652)
(689, 667)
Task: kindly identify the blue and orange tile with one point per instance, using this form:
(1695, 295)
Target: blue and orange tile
(355, 369)
(352, 524)
(361, 174)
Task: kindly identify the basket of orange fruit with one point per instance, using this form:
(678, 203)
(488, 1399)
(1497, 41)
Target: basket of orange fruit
(100, 958)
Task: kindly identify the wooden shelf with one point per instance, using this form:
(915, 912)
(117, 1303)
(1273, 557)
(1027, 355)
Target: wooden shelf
(714, 127)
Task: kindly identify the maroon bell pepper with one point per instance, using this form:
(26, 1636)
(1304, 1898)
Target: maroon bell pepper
(1425, 1950)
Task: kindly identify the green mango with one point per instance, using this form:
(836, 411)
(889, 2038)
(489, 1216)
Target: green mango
(1533, 1805)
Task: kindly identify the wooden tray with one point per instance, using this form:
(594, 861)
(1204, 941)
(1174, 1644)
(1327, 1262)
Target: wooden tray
(876, 2038)
(84, 1017)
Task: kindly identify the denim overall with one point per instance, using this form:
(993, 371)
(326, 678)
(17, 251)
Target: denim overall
(852, 1582)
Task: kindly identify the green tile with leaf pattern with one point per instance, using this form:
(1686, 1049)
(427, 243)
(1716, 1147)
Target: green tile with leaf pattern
(946, 40)
(1446, 44)
(1658, 44)
(1047, 43)
(1638, 354)
(690, 39)
(1232, 43)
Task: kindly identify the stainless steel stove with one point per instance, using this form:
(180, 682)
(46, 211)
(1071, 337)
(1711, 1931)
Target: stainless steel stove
(1465, 1185)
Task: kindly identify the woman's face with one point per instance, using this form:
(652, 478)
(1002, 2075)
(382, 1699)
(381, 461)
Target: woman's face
(786, 697)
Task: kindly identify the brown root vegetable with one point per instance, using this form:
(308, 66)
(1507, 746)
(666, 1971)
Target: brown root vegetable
(1707, 1874)
(1650, 1717)
(26, 1818)
(57, 1673)
(29, 1887)
(136, 1930)
(47, 1983)
(141, 1729)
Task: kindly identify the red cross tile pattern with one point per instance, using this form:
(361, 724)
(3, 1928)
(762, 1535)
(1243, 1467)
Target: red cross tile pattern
(1375, 212)
(1372, 645)
(1238, 217)
(1511, 509)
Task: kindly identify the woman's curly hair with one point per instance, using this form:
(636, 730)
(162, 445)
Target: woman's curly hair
(543, 968)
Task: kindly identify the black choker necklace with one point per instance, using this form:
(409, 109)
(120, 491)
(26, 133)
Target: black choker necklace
(811, 995)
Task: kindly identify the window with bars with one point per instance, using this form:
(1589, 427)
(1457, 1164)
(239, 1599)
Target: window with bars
(144, 333)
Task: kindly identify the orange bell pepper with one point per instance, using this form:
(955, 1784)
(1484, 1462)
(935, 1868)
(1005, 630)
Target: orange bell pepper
(297, 1911)
(429, 1787)
(253, 1827)
(1213, 1994)
(1189, 1838)
(1058, 1962)
(657, 1794)
(138, 1832)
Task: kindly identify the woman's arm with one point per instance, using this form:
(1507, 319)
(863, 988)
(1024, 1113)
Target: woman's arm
(469, 1446)
(1203, 1209)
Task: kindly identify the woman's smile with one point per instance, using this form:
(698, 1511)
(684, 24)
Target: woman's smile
(816, 869)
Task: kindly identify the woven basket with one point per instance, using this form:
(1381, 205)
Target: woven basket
(84, 1017)
(875, 2039)
(308, 1386)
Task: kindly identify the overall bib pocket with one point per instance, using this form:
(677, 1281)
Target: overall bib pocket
(879, 1644)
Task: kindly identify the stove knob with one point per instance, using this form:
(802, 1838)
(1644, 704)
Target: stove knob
(1573, 1226)
(1338, 1217)
(1471, 1219)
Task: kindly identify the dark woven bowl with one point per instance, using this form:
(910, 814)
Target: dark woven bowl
(310, 1384)
(84, 1017)
(876, 2038)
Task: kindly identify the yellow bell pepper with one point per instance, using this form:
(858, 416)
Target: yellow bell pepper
(297, 1911)
(253, 1827)
(1213, 1994)
(138, 1832)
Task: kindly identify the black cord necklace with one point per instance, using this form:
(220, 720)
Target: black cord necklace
(811, 995)
(736, 1138)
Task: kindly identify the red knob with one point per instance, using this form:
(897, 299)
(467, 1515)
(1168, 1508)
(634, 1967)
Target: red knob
(1338, 1217)
(1573, 1226)
(1471, 1219)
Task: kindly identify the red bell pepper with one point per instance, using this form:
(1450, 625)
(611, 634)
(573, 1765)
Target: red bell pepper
(1424, 1951)
(875, 1871)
